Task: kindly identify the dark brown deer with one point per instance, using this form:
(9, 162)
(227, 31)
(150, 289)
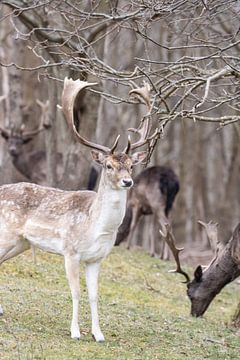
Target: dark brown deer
(224, 268)
(29, 163)
(154, 191)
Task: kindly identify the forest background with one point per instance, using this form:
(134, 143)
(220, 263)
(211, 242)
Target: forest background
(188, 51)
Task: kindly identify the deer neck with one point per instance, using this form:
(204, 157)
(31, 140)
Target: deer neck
(22, 165)
(109, 206)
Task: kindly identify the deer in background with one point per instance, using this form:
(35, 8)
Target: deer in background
(29, 163)
(224, 268)
(79, 225)
(153, 193)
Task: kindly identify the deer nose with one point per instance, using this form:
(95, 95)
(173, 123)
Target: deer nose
(127, 182)
(13, 151)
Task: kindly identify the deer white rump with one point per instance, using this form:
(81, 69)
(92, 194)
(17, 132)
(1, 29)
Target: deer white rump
(80, 225)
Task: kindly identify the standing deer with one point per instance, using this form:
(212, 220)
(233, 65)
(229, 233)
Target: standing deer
(80, 225)
(29, 163)
(153, 192)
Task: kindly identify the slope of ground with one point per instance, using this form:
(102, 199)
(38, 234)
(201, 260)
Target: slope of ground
(144, 313)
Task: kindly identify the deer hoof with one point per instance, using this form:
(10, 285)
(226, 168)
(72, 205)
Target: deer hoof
(98, 337)
(75, 338)
(1, 310)
(75, 335)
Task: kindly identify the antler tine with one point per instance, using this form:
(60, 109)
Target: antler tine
(128, 145)
(70, 91)
(212, 233)
(169, 238)
(144, 93)
(211, 229)
(142, 131)
(113, 148)
(43, 123)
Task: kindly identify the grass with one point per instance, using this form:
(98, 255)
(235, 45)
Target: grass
(144, 313)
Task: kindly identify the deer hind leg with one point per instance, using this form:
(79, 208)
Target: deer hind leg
(92, 271)
(152, 236)
(163, 221)
(72, 272)
(135, 217)
(9, 251)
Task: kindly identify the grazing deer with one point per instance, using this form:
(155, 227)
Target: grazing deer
(80, 225)
(153, 192)
(224, 268)
(29, 163)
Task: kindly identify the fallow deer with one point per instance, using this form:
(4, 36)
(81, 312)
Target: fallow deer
(223, 268)
(29, 163)
(80, 225)
(154, 191)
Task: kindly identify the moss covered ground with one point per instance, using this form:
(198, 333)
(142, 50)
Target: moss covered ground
(144, 313)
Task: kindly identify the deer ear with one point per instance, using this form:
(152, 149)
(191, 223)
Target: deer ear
(198, 274)
(25, 141)
(4, 134)
(97, 156)
(138, 157)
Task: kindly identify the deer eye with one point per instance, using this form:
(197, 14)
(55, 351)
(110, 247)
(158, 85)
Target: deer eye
(109, 167)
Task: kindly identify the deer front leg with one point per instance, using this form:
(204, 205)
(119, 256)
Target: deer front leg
(72, 272)
(92, 271)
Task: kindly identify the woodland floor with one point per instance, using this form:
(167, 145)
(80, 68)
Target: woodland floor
(144, 313)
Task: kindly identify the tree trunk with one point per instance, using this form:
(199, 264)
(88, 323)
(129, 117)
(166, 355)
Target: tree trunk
(50, 137)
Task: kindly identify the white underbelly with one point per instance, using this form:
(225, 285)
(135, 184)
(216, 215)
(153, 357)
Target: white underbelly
(53, 246)
(47, 238)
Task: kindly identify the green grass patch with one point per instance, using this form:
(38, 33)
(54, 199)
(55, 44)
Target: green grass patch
(144, 313)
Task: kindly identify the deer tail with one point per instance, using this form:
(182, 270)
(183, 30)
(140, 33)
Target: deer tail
(169, 186)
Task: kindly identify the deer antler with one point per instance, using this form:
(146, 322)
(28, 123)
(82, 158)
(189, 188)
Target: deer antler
(70, 91)
(143, 130)
(143, 93)
(212, 234)
(43, 122)
(170, 240)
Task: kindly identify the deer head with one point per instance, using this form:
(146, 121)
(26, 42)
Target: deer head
(200, 299)
(206, 283)
(117, 166)
(17, 138)
(224, 268)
